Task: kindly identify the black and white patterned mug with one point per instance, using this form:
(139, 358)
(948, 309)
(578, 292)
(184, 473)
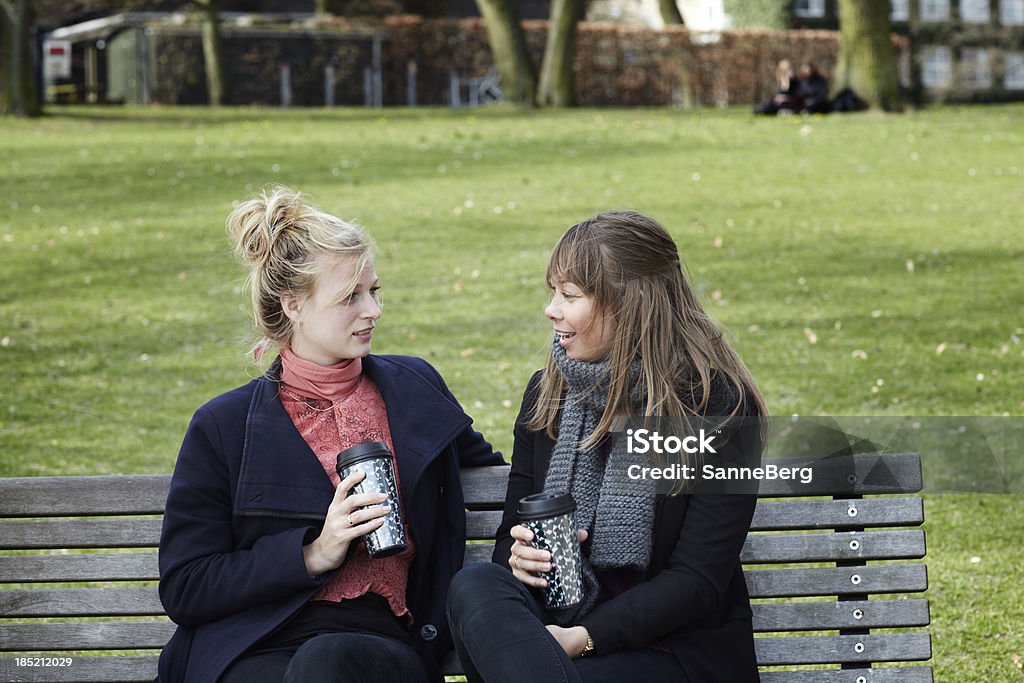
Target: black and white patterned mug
(375, 459)
(551, 516)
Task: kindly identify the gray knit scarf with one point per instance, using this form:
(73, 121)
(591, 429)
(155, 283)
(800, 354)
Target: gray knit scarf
(617, 512)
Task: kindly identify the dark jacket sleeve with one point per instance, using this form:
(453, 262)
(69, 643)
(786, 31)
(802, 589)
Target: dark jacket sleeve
(521, 475)
(690, 588)
(204, 576)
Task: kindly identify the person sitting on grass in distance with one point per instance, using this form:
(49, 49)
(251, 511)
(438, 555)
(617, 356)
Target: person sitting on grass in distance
(664, 595)
(263, 565)
(812, 91)
(784, 101)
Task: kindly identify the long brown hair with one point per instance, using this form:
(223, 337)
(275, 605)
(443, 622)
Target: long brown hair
(629, 266)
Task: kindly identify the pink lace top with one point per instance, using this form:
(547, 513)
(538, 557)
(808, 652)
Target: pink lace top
(330, 427)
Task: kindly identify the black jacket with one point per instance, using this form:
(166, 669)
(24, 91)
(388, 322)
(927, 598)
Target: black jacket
(693, 598)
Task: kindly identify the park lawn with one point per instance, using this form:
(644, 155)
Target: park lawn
(862, 265)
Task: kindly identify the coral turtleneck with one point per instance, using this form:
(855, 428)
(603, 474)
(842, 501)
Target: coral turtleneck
(325, 382)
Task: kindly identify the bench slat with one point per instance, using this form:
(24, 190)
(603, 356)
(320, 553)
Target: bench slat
(860, 474)
(831, 615)
(484, 487)
(121, 567)
(892, 674)
(133, 669)
(889, 647)
(144, 601)
(824, 547)
(784, 515)
(72, 568)
(115, 532)
(122, 601)
(87, 635)
(781, 583)
(117, 494)
(837, 514)
(478, 552)
(78, 496)
(128, 532)
(481, 524)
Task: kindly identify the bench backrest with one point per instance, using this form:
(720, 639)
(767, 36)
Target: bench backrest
(78, 569)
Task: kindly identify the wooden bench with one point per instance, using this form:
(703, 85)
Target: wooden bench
(59, 604)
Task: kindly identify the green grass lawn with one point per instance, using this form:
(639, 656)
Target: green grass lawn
(862, 264)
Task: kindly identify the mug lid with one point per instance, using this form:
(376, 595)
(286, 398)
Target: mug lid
(546, 504)
(362, 451)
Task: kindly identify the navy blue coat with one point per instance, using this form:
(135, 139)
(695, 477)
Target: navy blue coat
(248, 493)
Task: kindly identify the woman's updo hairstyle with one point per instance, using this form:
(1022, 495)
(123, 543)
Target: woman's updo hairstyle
(285, 242)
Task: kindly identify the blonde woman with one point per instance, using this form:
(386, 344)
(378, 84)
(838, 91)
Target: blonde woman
(262, 565)
(665, 598)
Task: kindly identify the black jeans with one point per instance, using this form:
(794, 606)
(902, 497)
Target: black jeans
(500, 635)
(332, 658)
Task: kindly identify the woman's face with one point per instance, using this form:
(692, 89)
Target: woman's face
(328, 327)
(585, 334)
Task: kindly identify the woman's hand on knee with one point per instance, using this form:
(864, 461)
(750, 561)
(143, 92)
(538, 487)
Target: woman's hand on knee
(349, 518)
(573, 639)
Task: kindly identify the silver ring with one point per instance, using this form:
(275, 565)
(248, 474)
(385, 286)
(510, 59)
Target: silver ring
(349, 518)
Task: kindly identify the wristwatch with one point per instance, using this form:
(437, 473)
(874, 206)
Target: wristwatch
(590, 646)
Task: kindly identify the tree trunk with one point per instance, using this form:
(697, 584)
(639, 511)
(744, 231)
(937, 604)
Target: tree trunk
(20, 95)
(557, 81)
(508, 47)
(670, 13)
(867, 59)
(213, 52)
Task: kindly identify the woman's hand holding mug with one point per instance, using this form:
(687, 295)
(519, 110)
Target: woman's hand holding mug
(349, 518)
(526, 561)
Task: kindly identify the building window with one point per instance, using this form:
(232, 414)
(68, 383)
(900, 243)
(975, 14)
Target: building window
(1011, 12)
(974, 68)
(1013, 71)
(974, 11)
(936, 67)
(934, 10)
(809, 9)
(899, 10)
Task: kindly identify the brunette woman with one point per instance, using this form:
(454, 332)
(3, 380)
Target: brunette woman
(665, 598)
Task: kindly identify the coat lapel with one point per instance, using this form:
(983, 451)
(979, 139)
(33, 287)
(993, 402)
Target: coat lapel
(423, 420)
(280, 474)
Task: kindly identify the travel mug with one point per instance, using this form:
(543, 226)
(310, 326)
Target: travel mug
(551, 516)
(374, 458)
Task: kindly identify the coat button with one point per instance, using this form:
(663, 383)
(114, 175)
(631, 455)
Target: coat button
(428, 632)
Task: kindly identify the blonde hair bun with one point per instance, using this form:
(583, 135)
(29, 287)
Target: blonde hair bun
(255, 225)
